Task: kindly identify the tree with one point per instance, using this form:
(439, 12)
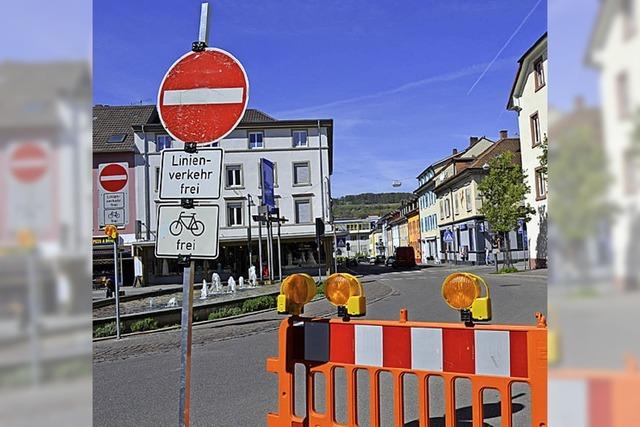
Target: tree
(503, 192)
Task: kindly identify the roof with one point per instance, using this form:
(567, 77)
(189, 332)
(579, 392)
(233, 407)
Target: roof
(113, 120)
(31, 91)
(503, 145)
(251, 115)
(522, 66)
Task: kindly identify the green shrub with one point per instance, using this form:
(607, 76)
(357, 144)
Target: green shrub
(225, 312)
(505, 270)
(258, 303)
(106, 330)
(145, 324)
(320, 289)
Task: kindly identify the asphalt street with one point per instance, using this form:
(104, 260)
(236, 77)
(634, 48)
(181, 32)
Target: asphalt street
(136, 379)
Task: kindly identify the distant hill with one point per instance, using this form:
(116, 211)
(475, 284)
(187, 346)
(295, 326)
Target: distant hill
(365, 204)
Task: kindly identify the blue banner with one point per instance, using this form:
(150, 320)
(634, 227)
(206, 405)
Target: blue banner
(268, 196)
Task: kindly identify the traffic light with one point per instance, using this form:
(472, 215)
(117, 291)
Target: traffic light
(347, 293)
(295, 291)
(462, 291)
(111, 231)
(348, 246)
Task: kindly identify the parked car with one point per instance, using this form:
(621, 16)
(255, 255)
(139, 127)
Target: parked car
(362, 258)
(378, 259)
(390, 261)
(405, 257)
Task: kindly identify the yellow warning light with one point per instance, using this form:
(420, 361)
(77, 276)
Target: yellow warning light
(111, 231)
(462, 291)
(459, 290)
(26, 239)
(295, 291)
(346, 292)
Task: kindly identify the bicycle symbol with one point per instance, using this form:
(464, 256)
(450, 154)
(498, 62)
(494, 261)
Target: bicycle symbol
(196, 227)
(113, 215)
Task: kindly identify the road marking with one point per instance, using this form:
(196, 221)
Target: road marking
(203, 96)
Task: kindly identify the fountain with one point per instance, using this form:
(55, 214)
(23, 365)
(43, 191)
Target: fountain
(215, 283)
(173, 302)
(203, 291)
(231, 284)
(253, 278)
(241, 282)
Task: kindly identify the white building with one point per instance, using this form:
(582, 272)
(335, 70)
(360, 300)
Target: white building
(302, 152)
(612, 51)
(529, 99)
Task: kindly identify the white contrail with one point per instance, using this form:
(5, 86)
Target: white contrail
(526, 18)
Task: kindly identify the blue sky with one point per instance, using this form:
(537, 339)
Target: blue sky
(400, 79)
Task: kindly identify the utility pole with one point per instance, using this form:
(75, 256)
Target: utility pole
(249, 240)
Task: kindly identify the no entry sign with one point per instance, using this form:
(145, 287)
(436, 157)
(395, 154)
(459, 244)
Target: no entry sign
(113, 194)
(29, 162)
(203, 96)
(113, 177)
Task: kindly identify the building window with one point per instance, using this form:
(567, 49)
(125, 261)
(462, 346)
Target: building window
(538, 68)
(302, 208)
(301, 173)
(300, 138)
(234, 214)
(622, 88)
(467, 193)
(447, 208)
(117, 138)
(157, 182)
(456, 204)
(162, 142)
(234, 176)
(541, 184)
(628, 12)
(441, 208)
(535, 129)
(256, 140)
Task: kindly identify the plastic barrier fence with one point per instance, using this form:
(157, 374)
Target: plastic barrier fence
(490, 356)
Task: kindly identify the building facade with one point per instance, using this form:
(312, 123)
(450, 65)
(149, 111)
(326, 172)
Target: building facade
(302, 152)
(465, 236)
(357, 235)
(528, 99)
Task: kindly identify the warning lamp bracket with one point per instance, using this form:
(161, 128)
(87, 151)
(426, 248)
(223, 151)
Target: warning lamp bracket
(466, 317)
(342, 312)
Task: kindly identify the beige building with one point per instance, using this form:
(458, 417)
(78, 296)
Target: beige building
(465, 236)
(529, 99)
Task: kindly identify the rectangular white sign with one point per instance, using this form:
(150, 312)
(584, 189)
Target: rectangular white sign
(192, 232)
(186, 175)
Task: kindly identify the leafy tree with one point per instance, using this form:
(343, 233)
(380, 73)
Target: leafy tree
(503, 192)
(544, 157)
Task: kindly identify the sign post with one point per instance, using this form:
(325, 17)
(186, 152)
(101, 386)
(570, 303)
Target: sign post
(201, 99)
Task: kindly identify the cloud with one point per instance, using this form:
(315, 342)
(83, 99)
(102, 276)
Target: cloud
(438, 78)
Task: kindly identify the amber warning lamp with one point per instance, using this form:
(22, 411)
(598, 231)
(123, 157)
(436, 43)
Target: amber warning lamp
(295, 291)
(347, 293)
(463, 292)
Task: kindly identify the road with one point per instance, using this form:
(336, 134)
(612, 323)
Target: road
(136, 379)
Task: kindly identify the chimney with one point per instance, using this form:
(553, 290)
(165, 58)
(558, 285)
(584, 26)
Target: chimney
(455, 151)
(473, 141)
(504, 134)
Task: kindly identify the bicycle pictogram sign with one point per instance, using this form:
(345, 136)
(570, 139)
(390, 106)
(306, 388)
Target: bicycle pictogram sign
(188, 221)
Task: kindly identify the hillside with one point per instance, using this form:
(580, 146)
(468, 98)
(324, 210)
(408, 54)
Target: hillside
(365, 204)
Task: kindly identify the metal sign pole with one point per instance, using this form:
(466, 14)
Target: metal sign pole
(269, 248)
(279, 251)
(116, 285)
(185, 342)
(260, 247)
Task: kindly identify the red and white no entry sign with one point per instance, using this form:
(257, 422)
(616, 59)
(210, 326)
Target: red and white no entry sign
(203, 96)
(29, 162)
(113, 177)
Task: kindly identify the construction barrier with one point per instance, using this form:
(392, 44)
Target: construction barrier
(490, 356)
(592, 398)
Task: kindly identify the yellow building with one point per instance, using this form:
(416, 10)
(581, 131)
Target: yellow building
(413, 224)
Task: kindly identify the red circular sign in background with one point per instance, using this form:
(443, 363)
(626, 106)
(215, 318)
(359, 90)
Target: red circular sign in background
(195, 110)
(29, 162)
(113, 177)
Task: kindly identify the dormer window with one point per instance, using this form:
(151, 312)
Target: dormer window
(117, 138)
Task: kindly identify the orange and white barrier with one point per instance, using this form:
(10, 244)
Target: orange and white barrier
(490, 356)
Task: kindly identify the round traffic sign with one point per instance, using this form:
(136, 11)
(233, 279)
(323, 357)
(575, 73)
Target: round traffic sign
(29, 162)
(113, 177)
(203, 96)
